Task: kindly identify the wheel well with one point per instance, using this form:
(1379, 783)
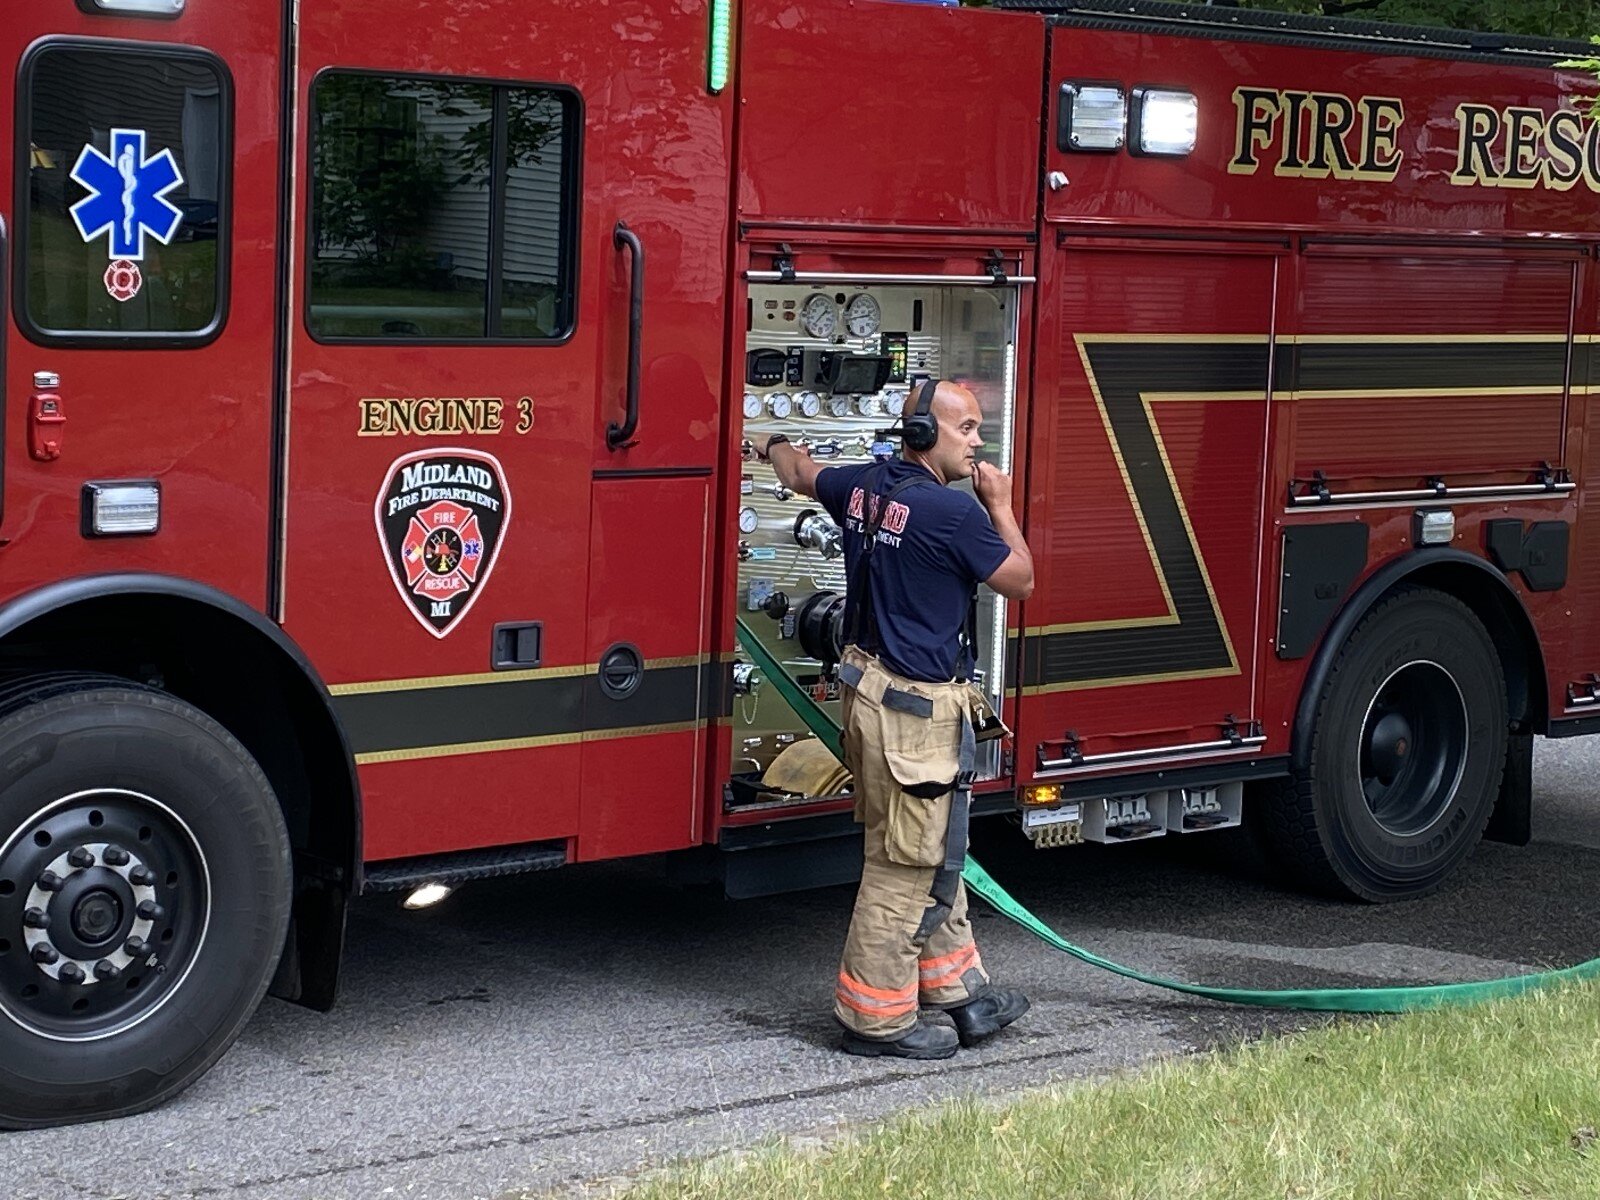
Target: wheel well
(1482, 589)
(1496, 605)
(235, 669)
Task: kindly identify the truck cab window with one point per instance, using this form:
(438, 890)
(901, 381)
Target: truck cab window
(126, 176)
(440, 210)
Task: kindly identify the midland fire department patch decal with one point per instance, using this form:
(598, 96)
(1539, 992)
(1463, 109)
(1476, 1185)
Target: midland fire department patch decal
(440, 516)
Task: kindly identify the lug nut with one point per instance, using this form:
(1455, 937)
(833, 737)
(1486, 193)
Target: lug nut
(140, 876)
(149, 910)
(46, 954)
(36, 918)
(82, 858)
(71, 973)
(107, 972)
(136, 947)
(49, 882)
(116, 856)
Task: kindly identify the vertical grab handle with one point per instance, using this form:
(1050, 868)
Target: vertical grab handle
(620, 437)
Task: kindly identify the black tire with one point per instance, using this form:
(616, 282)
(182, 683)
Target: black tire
(103, 769)
(1407, 751)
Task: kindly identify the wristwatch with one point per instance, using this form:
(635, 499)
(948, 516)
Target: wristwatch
(775, 440)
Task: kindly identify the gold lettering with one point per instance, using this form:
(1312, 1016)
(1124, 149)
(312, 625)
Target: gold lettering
(1259, 111)
(1524, 129)
(1335, 116)
(1480, 128)
(1380, 155)
(1563, 140)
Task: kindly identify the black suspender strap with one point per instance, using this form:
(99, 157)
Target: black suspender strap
(863, 623)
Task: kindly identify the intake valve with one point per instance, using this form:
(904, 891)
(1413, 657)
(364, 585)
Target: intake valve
(813, 531)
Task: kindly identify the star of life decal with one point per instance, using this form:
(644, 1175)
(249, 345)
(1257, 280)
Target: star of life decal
(127, 195)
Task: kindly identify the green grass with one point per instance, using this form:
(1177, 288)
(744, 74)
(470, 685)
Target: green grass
(1498, 1101)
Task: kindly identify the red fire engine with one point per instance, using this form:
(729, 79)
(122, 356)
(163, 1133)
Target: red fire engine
(378, 508)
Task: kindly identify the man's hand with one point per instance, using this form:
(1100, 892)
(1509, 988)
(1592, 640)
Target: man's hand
(992, 486)
(1014, 577)
(793, 466)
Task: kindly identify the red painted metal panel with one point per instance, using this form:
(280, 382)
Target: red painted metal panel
(649, 587)
(949, 137)
(197, 418)
(1200, 190)
(1139, 428)
(653, 149)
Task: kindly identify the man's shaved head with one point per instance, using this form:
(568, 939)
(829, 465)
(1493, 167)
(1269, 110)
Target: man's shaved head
(956, 411)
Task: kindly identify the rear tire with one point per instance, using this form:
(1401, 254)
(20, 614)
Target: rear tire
(145, 889)
(1407, 750)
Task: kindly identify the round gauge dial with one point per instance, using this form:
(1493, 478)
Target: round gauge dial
(818, 316)
(779, 405)
(862, 316)
(752, 406)
(894, 403)
(839, 406)
(810, 404)
(748, 520)
(867, 406)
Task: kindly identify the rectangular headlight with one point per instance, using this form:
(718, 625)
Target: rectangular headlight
(1165, 122)
(1091, 116)
(122, 508)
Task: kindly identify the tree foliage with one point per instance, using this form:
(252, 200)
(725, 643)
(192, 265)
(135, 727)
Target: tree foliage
(1535, 18)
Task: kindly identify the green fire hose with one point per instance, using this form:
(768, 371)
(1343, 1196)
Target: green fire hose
(1352, 1000)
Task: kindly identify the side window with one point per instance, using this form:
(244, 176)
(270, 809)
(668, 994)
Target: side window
(441, 210)
(123, 209)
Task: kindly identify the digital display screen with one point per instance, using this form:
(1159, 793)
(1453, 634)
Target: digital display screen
(895, 345)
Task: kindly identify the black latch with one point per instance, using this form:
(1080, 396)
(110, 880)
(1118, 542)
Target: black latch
(516, 645)
(783, 262)
(621, 671)
(995, 266)
(1071, 749)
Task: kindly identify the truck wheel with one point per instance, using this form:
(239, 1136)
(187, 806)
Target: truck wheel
(1408, 746)
(145, 888)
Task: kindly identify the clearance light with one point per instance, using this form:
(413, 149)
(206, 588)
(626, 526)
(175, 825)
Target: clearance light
(1042, 794)
(120, 509)
(1166, 122)
(1091, 116)
(427, 896)
(721, 39)
(134, 8)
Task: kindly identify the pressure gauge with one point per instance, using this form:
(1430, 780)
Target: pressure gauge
(839, 406)
(894, 403)
(810, 404)
(867, 406)
(779, 405)
(752, 406)
(862, 317)
(818, 317)
(748, 520)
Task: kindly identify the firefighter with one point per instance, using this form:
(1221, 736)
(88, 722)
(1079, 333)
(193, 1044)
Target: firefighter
(915, 551)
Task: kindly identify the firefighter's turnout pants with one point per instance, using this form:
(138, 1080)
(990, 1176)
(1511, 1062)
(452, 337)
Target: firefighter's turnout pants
(910, 747)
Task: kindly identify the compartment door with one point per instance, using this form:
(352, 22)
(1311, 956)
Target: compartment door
(1147, 489)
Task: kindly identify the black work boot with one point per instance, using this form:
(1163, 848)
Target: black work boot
(988, 1014)
(920, 1041)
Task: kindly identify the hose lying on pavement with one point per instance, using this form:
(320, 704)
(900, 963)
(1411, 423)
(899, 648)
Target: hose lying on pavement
(1352, 1000)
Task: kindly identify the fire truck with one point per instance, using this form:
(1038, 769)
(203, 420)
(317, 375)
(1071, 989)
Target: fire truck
(379, 511)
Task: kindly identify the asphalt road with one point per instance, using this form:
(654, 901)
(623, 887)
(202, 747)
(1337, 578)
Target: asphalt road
(585, 1024)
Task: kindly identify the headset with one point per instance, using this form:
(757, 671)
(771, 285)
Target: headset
(919, 430)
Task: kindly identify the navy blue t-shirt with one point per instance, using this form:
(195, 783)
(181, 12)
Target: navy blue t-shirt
(934, 545)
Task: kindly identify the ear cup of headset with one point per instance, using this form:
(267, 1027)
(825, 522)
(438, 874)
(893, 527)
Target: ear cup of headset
(920, 432)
